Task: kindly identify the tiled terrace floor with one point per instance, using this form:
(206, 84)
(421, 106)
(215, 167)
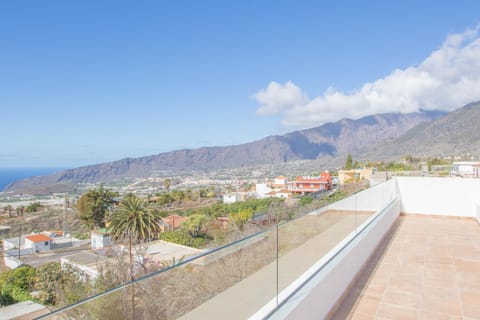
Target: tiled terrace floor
(428, 268)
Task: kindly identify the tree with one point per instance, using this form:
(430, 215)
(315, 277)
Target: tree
(349, 162)
(15, 285)
(305, 200)
(20, 210)
(167, 183)
(134, 220)
(8, 209)
(47, 281)
(33, 207)
(195, 224)
(93, 206)
(241, 217)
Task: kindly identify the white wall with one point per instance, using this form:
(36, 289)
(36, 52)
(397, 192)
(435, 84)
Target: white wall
(439, 196)
(231, 198)
(12, 262)
(7, 245)
(261, 189)
(372, 199)
(99, 241)
(37, 246)
(477, 206)
(83, 271)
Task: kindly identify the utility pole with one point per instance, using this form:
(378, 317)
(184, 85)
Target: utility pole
(20, 241)
(65, 205)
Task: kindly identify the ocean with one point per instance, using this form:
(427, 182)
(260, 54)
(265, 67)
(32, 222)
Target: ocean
(9, 175)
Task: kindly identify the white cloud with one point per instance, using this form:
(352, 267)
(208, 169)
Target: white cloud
(277, 98)
(445, 80)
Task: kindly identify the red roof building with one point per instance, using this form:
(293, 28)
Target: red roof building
(308, 184)
(38, 238)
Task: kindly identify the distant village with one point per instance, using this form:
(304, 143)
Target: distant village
(89, 256)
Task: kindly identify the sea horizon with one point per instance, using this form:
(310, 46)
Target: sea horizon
(12, 174)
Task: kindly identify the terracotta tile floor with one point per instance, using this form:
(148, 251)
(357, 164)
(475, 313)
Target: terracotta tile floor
(427, 268)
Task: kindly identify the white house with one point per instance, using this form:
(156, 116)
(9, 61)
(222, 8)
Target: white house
(262, 190)
(87, 265)
(283, 194)
(279, 183)
(100, 238)
(38, 242)
(233, 197)
(464, 168)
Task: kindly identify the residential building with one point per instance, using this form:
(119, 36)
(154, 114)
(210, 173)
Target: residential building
(355, 174)
(465, 168)
(172, 222)
(38, 242)
(282, 194)
(310, 184)
(87, 265)
(100, 238)
(234, 197)
(262, 190)
(476, 170)
(279, 182)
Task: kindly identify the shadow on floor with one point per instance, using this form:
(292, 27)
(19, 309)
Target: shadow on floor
(347, 303)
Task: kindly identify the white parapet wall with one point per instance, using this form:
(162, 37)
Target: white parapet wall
(478, 212)
(439, 196)
(12, 262)
(326, 286)
(372, 199)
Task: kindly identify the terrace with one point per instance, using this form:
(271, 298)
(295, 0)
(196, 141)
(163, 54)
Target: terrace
(358, 258)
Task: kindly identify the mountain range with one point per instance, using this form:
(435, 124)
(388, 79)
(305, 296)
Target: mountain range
(376, 137)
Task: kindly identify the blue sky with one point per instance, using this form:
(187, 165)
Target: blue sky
(83, 82)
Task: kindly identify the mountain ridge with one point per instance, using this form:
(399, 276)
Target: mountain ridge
(328, 140)
(454, 134)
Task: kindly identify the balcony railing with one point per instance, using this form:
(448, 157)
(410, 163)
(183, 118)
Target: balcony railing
(254, 277)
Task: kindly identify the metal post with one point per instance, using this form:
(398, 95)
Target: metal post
(20, 240)
(277, 264)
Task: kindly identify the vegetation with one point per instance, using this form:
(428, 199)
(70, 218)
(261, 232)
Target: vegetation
(92, 207)
(9, 210)
(305, 200)
(195, 224)
(33, 207)
(15, 285)
(241, 217)
(178, 236)
(133, 220)
(349, 162)
(167, 183)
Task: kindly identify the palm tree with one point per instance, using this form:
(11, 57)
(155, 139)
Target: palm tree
(133, 220)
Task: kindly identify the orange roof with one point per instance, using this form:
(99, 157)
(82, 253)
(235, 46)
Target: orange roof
(38, 238)
(280, 177)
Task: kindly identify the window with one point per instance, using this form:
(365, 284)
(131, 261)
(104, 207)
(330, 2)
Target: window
(46, 243)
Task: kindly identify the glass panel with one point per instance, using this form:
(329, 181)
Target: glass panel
(231, 283)
(236, 281)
